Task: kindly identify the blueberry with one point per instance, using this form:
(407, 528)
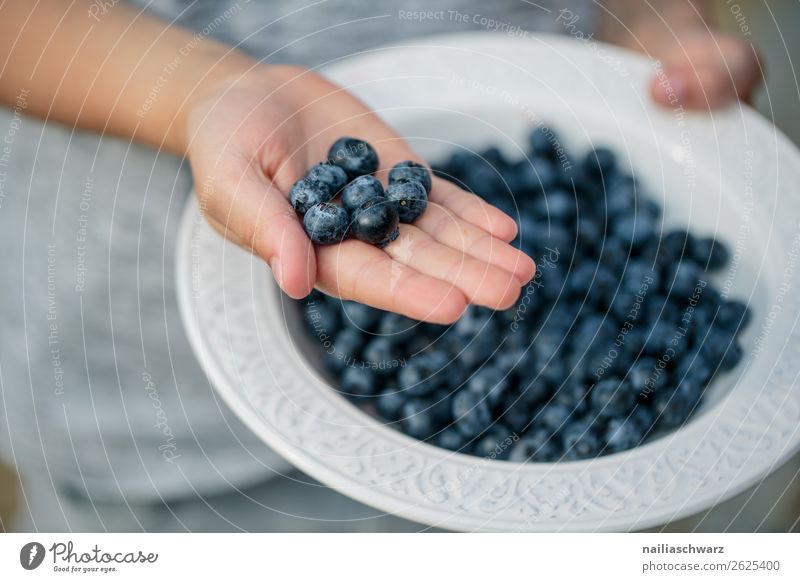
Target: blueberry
(673, 407)
(580, 441)
(642, 376)
(622, 434)
(495, 444)
(417, 419)
(543, 142)
(359, 315)
(710, 253)
(326, 223)
(571, 395)
(411, 171)
(321, 316)
(693, 367)
(600, 160)
(416, 381)
(326, 173)
(360, 190)
(347, 346)
(470, 413)
(450, 439)
(634, 229)
(375, 222)
(306, 193)
(410, 198)
(354, 156)
(552, 417)
(674, 245)
(681, 280)
(536, 445)
(732, 316)
(390, 404)
(555, 205)
(489, 383)
(379, 353)
(612, 398)
(358, 382)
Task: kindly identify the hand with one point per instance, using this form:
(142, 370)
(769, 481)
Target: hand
(703, 69)
(251, 137)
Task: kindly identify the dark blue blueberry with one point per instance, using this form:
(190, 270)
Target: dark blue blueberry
(347, 346)
(359, 191)
(321, 317)
(555, 205)
(693, 367)
(640, 277)
(417, 419)
(380, 353)
(450, 439)
(544, 142)
(375, 222)
(359, 315)
(732, 316)
(612, 397)
(489, 383)
(622, 434)
(552, 417)
(600, 160)
(572, 396)
(661, 337)
(710, 253)
(306, 193)
(397, 327)
(580, 441)
(682, 279)
(409, 197)
(535, 445)
(634, 229)
(673, 407)
(390, 404)
(675, 245)
(416, 381)
(354, 156)
(326, 223)
(643, 378)
(495, 444)
(411, 171)
(470, 413)
(358, 382)
(331, 175)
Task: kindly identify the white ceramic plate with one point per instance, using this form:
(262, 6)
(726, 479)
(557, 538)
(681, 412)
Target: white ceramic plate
(730, 174)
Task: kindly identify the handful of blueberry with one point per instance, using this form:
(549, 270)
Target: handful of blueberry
(367, 211)
(613, 343)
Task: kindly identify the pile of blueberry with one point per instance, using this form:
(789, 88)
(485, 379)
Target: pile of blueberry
(366, 210)
(613, 342)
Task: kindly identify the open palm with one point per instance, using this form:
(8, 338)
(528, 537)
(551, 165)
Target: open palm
(252, 137)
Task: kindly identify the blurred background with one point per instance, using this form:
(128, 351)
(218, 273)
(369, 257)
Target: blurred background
(774, 504)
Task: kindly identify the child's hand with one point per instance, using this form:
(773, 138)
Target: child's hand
(250, 139)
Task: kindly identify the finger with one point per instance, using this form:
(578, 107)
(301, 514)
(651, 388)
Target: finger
(480, 282)
(253, 213)
(473, 209)
(711, 84)
(449, 229)
(361, 272)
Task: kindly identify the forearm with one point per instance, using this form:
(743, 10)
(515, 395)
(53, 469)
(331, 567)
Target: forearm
(633, 24)
(128, 74)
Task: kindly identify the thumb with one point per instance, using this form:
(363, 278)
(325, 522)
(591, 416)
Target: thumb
(253, 213)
